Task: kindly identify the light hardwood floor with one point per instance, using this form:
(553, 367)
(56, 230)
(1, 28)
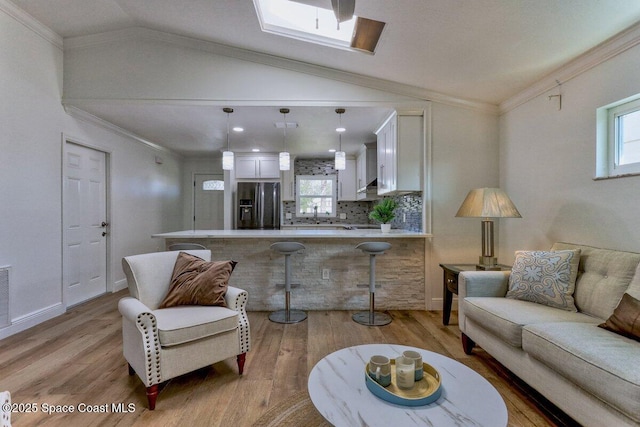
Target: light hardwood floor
(76, 359)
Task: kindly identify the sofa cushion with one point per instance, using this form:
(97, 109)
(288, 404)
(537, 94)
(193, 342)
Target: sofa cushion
(603, 276)
(545, 277)
(625, 319)
(181, 324)
(589, 357)
(505, 317)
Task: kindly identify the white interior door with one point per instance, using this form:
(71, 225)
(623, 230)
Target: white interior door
(84, 222)
(208, 203)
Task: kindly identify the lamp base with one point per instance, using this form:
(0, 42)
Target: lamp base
(488, 263)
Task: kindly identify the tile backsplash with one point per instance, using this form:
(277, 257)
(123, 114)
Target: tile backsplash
(409, 205)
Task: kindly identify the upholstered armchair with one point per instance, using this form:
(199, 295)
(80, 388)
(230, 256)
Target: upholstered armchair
(163, 343)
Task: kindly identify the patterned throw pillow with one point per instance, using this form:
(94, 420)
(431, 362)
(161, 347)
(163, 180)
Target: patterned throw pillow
(547, 278)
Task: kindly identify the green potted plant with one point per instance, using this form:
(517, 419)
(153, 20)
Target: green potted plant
(383, 213)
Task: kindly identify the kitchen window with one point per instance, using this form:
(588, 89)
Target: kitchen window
(316, 195)
(620, 154)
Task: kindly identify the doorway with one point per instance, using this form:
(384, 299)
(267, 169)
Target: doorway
(85, 223)
(208, 201)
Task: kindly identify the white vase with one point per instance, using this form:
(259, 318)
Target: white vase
(385, 228)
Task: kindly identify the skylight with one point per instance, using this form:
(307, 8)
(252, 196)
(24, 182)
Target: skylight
(304, 22)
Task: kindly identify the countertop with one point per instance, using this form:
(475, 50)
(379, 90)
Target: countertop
(276, 234)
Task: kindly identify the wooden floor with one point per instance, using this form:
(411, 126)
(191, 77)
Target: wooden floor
(76, 359)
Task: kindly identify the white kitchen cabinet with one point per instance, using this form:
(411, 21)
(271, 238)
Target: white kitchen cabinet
(263, 166)
(400, 153)
(287, 186)
(347, 182)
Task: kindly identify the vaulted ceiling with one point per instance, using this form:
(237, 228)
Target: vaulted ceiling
(484, 51)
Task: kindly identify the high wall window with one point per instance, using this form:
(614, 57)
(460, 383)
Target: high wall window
(316, 194)
(619, 142)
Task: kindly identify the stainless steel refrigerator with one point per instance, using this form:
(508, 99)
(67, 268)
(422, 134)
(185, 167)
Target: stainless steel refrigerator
(258, 205)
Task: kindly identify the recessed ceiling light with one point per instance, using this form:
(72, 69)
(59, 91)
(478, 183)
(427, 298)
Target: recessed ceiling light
(340, 129)
(332, 150)
(255, 150)
(238, 129)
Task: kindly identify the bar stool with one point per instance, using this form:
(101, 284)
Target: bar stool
(371, 317)
(287, 315)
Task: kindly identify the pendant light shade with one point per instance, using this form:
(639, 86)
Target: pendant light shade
(284, 159)
(340, 159)
(227, 156)
(227, 160)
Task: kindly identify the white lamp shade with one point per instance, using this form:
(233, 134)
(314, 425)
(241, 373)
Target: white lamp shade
(285, 161)
(341, 161)
(227, 160)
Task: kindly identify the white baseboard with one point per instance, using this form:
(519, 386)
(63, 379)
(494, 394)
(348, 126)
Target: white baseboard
(120, 285)
(30, 320)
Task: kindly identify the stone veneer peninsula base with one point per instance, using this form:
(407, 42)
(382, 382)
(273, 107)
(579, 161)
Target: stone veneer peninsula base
(400, 273)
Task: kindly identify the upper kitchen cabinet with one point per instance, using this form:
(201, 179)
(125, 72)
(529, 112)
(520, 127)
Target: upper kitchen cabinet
(262, 166)
(347, 182)
(400, 153)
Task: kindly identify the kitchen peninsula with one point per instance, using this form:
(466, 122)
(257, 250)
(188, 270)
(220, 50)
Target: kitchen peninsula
(400, 272)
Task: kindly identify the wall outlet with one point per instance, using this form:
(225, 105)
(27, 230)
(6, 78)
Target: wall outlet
(288, 215)
(343, 216)
(325, 273)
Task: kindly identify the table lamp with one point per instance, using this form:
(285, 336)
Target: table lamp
(487, 203)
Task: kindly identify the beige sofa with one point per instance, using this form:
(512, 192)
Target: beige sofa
(590, 373)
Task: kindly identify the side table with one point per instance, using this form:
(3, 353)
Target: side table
(450, 284)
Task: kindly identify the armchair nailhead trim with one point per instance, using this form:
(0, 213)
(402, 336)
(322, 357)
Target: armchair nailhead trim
(243, 324)
(147, 324)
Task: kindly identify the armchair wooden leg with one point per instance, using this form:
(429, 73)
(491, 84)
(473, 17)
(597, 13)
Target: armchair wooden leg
(241, 359)
(152, 395)
(467, 344)
(131, 370)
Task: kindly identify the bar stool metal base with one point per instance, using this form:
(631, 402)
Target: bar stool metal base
(294, 316)
(368, 318)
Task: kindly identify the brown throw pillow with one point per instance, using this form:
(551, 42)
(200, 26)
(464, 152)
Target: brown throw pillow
(625, 319)
(197, 282)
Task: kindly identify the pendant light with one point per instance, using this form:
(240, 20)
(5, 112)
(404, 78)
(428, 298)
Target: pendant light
(227, 156)
(284, 158)
(341, 161)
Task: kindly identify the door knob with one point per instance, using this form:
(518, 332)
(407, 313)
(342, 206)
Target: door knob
(104, 224)
(104, 233)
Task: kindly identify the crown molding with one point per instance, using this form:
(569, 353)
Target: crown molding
(139, 33)
(31, 23)
(593, 57)
(90, 118)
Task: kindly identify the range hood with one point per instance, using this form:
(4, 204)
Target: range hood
(368, 192)
(367, 163)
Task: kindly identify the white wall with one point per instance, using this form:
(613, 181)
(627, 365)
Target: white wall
(464, 149)
(547, 165)
(145, 197)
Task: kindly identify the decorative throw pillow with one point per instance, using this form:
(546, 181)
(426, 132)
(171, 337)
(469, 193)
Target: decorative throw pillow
(198, 282)
(625, 319)
(547, 278)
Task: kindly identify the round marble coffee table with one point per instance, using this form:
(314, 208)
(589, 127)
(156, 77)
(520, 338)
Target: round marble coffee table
(338, 391)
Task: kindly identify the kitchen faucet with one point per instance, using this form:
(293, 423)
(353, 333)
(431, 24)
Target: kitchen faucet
(315, 214)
